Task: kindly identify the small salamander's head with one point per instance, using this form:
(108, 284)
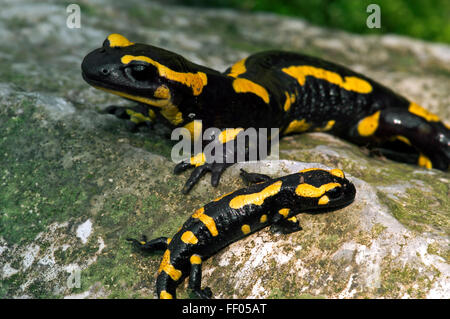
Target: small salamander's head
(139, 72)
(324, 189)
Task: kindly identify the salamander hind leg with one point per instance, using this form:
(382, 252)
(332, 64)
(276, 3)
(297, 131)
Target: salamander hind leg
(283, 224)
(398, 150)
(425, 139)
(195, 278)
(253, 178)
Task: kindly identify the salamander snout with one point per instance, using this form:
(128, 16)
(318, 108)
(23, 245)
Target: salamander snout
(320, 188)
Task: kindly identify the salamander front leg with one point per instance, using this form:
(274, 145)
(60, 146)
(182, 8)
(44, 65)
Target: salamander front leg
(218, 154)
(160, 243)
(199, 171)
(286, 226)
(195, 279)
(253, 178)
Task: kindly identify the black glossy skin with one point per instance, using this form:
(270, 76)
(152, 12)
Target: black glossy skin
(229, 221)
(317, 102)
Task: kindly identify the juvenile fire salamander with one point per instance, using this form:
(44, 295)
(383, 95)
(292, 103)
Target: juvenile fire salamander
(290, 91)
(240, 213)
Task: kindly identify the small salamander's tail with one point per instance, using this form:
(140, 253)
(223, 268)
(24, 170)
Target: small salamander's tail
(165, 285)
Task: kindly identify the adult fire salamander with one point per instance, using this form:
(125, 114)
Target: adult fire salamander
(290, 91)
(237, 214)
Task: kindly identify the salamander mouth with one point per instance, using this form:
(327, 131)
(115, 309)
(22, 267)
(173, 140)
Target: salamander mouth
(132, 94)
(96, 83)
(346, 199)
(132, 91)
(324, 210)
(350, 193)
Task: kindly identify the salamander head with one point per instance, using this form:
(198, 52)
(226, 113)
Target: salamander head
(324, 189)
(140, 72)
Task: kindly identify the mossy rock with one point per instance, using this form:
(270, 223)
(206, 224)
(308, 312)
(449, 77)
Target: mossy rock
(75, 183)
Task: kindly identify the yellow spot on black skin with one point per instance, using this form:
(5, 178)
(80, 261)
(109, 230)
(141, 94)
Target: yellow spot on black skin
(403, 139)
(327, 127)
(323, 200)
(337, 172)
(423, 113)
(165, 295)
(208, 221)
(292, 219)
(290, 98)
(229, 134)
(195, 128)
(241, 85)
(198, 160)
(238, 68)
(195, 260)
(168, 268)
(263, 218)
(117, 40)
(350, 83)
(284, 212)
(368, 125)
(188, 237)
(255, 198)
(307, 190)
(424, 161)
(245, 229)
(297, 126)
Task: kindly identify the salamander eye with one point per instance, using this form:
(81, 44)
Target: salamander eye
(334, 193)
(141, 72)
(138, 68)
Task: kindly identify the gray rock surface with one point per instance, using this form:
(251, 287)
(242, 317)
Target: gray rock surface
(75, 183)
